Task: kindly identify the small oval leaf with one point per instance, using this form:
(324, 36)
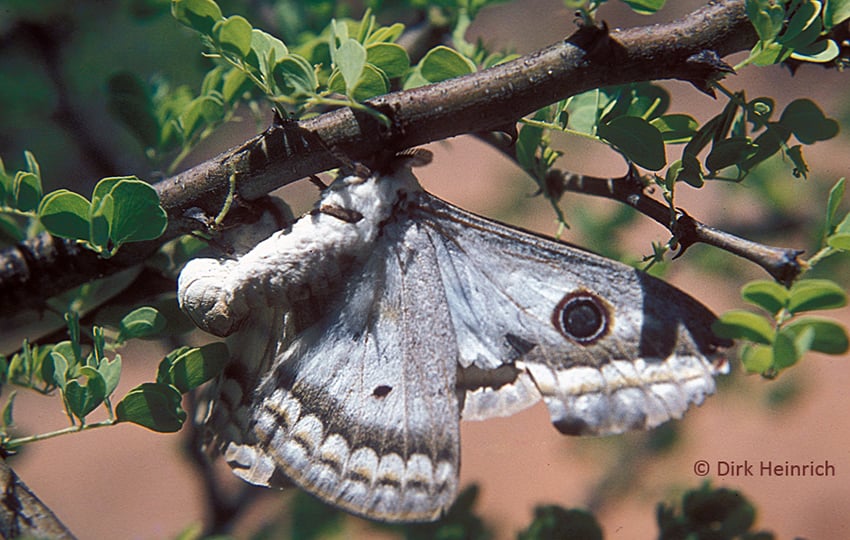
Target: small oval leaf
(830, 337)
(815, 294)
(729, 152)
(740, 324)
(83, 399)
(757, 358)
(294, 76)
(199, 15)
(640, 141)
(839, 241)
(195, 366)
(443, 63)
(27, 191)
(137, 213)
(765, 294)
(65, 214)
(390, 58)
(676, 128)
(142, 322)
(234, 35)
(808, 123)
(155, 406)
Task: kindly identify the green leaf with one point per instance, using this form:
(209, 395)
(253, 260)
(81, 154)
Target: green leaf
(829, 336)
(767, 16)
(6, 183)
(703, 136)
(6, 417)
(32, 164)
(836, 12)
(137, 214)
(767, 144)
(266, 50)
(556, 522)
(200, 15)
(385, 34)
(233, 34)
(100, 220)
(839, 241)
(757, 358)
(803, 341)
(729, 152)
(155, 406)
(760, 109)
(676, 128)
(740, 324)
(821, 51)
(390, 58)
(836, 195)
(810, 33)
(637, 139)
(201, 110)
(236, 83)
(691, 171)
(765, 294)
(526, 146)
(104, 187)
(65, 214)
(815, 294)
(142, 322)
(350, 60)
(645, 7)
(784, 350)
(808, 123)
(294, 76)
(800, 20)
(27, 191)
(111, 373)
(442, 63)
(187, 368)
(83, 399)
(61, 362)
(373, 82)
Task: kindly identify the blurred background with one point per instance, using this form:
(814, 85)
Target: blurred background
(55, 60)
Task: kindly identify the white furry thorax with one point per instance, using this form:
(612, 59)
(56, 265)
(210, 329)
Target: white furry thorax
(218, 294)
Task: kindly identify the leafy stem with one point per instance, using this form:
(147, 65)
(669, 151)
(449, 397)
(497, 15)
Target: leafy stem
(12, 444)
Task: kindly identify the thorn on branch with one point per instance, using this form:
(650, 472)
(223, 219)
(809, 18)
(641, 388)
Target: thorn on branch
(708, 69)
(783, 264)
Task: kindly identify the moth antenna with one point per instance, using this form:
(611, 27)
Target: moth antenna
(316, 181)
(415, 157)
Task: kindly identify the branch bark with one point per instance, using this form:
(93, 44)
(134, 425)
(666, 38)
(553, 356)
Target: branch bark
(494, 99)
(23, 514)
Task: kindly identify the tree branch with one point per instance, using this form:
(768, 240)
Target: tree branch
(494, 99)
(781, 263)
(23, 514)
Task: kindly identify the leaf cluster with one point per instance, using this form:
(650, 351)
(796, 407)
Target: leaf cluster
(795, 29)
(85, 381)
(709, 514)
(122, 209)
(779, 338)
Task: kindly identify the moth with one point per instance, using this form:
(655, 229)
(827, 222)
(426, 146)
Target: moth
(365, 331)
